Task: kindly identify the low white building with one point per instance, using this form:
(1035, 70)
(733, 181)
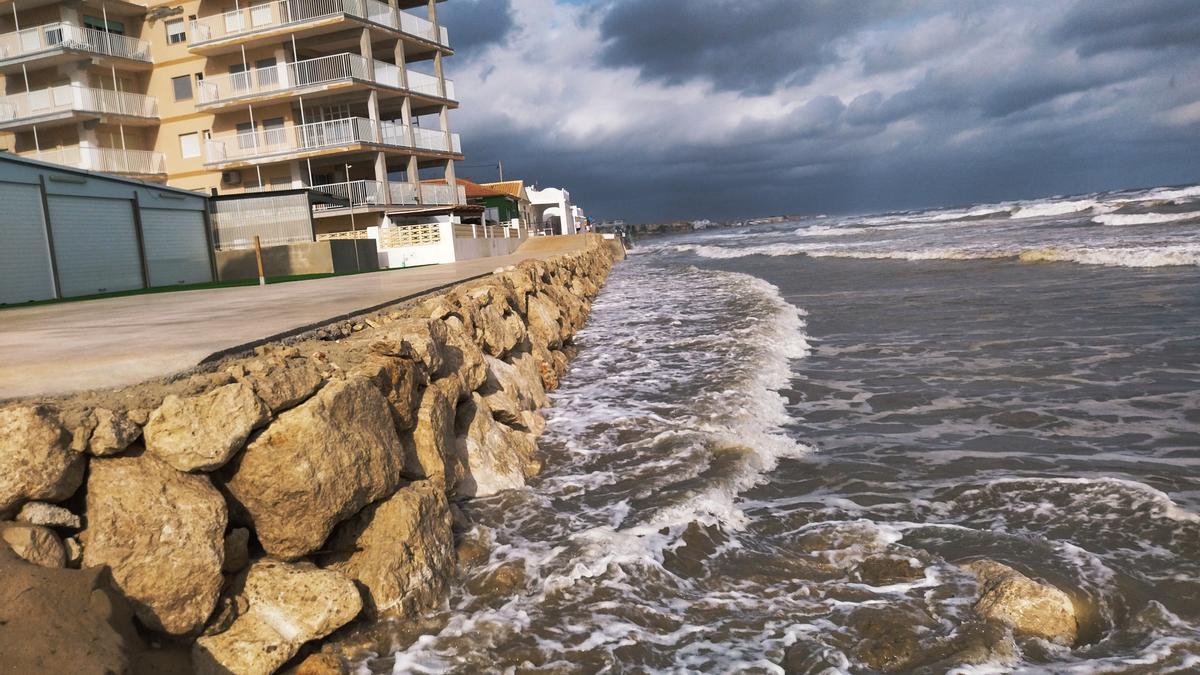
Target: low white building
(553, 212)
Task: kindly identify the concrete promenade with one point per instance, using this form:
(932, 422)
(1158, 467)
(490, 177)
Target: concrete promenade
(93, 344)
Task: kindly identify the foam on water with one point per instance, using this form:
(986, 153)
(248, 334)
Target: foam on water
(1057, 208)
(1144, 218)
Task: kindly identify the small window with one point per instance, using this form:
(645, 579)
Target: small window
(175, 32)
(189, 145)
(182, 86)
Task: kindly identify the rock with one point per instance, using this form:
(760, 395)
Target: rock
(36, 461)
(287, 604)
(497, 457)
(61, 621)
(884, 570)
(34, 544)
(464, 360)
(401, 381)
(162, 533)
(139, 416)
(1029, 607)
(973, 643)
(237, 550)
(48, 515)
(534, 422)
(202, 433)
(888, 638)
(74, 552)
(282, 382)
(426, 339)
(502, 581)
(316, 465)
(113, 433)
(513, 388)
(400, 550)
(433, 454)
(320, 664)
(543, 322)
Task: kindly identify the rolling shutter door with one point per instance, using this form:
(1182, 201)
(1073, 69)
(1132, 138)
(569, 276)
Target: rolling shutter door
(25, 272)
(176, 247)
(96, 245)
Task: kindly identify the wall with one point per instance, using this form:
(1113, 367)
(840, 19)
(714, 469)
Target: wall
(321, 257)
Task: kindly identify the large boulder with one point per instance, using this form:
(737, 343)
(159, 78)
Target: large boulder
(286, 605)
(497, 457)
(60, 621)
(35, 544)
(281, 381)
(514, 388)
(401, 381)
(114, 432)
(201, 433)
(316, 465)
(1029, 607)
(36, 459)
(432, 452)
(544, 318)
(400, 550)
(162, 533)
(424, 339)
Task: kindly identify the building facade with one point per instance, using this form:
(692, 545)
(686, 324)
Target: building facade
(345, 96)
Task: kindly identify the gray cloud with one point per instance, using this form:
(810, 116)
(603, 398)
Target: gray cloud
(1097, 26)
(475, 24)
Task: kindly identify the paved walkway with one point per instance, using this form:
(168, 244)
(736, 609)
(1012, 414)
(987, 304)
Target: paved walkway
(114, 342)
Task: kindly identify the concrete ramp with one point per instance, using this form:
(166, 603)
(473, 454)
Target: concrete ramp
(563, 243)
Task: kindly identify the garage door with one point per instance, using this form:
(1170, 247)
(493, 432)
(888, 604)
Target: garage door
(25, 272)
(96, 245)
(176, 248)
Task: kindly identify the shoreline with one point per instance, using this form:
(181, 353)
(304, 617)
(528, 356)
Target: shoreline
(325, 467)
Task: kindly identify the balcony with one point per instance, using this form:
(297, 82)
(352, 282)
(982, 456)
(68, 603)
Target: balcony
(107, 160)
(268, 145)
(367, 194)
(61, 42)
(68, 103)
(218, 33)
(300, 77)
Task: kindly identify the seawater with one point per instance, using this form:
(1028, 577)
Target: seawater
(754, 414)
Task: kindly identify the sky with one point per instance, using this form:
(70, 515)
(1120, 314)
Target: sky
(652, 110)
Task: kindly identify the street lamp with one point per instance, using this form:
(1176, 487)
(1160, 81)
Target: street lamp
(353, 227)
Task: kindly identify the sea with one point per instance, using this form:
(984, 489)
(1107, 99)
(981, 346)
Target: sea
(778, 445)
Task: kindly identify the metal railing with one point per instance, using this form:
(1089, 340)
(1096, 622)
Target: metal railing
(66, 36)
(281, 13)
(68, 97)
(435, 140)
(315, 136)
(107, 160)
(440, 193)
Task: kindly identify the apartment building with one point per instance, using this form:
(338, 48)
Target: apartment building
(345, 96)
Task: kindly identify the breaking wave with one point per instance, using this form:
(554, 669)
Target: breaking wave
(1049, 209)
(1144, 218)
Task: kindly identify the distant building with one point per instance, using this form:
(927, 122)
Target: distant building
(553, 212)
(516, 189)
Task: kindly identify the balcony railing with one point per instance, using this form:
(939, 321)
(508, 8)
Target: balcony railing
(70, 97)
(320, 71)
(313, 136)
(440, 193)
(368, 193)
(107, 160)
(283, 13)
(65, 36)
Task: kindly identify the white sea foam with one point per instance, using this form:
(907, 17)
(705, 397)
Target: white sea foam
(1144, 218)
(1158, 256)
(1055, 208)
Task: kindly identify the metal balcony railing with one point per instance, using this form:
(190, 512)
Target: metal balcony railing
(362, 193)
(107, 160)
(282, 13)
(319, 71)
(314, 136)
(70, 97)
(55, 36)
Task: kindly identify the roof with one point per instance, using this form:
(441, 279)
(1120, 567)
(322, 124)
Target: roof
(474, 190)
(514, 188)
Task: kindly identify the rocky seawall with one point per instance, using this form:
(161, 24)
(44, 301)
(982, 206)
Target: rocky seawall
(230, 521)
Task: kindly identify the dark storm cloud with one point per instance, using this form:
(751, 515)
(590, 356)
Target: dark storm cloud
(1097, 26)
(742, 46)
(474, 24)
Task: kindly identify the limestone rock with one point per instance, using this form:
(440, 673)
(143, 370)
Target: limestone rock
(201, 433)
(543, 317)
(320, 663)
(426, 339)
(74, 552)
(401, 381)
(520, 381)
(35, 544)
(48, 515)
(162, 533)
(113, 433)
(401, 550)
(60, 621)
(281, 382)
(237, 550)
(36, 461)
(1029, 607)
(287, 604)
(497, 457)
(316, 465)
(433, 453)
(465, 361)
(502, 581)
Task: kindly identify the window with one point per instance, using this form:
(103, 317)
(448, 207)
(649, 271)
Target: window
(189, 145)
(273, 132)
(175, 32)
(98, 23)
(182, 86)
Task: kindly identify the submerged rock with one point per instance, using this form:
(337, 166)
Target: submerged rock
(36, 459)
(286, 605)
(401, 550)
(201, 433)
(317, 465)
(162, 533)
(1029, 607)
